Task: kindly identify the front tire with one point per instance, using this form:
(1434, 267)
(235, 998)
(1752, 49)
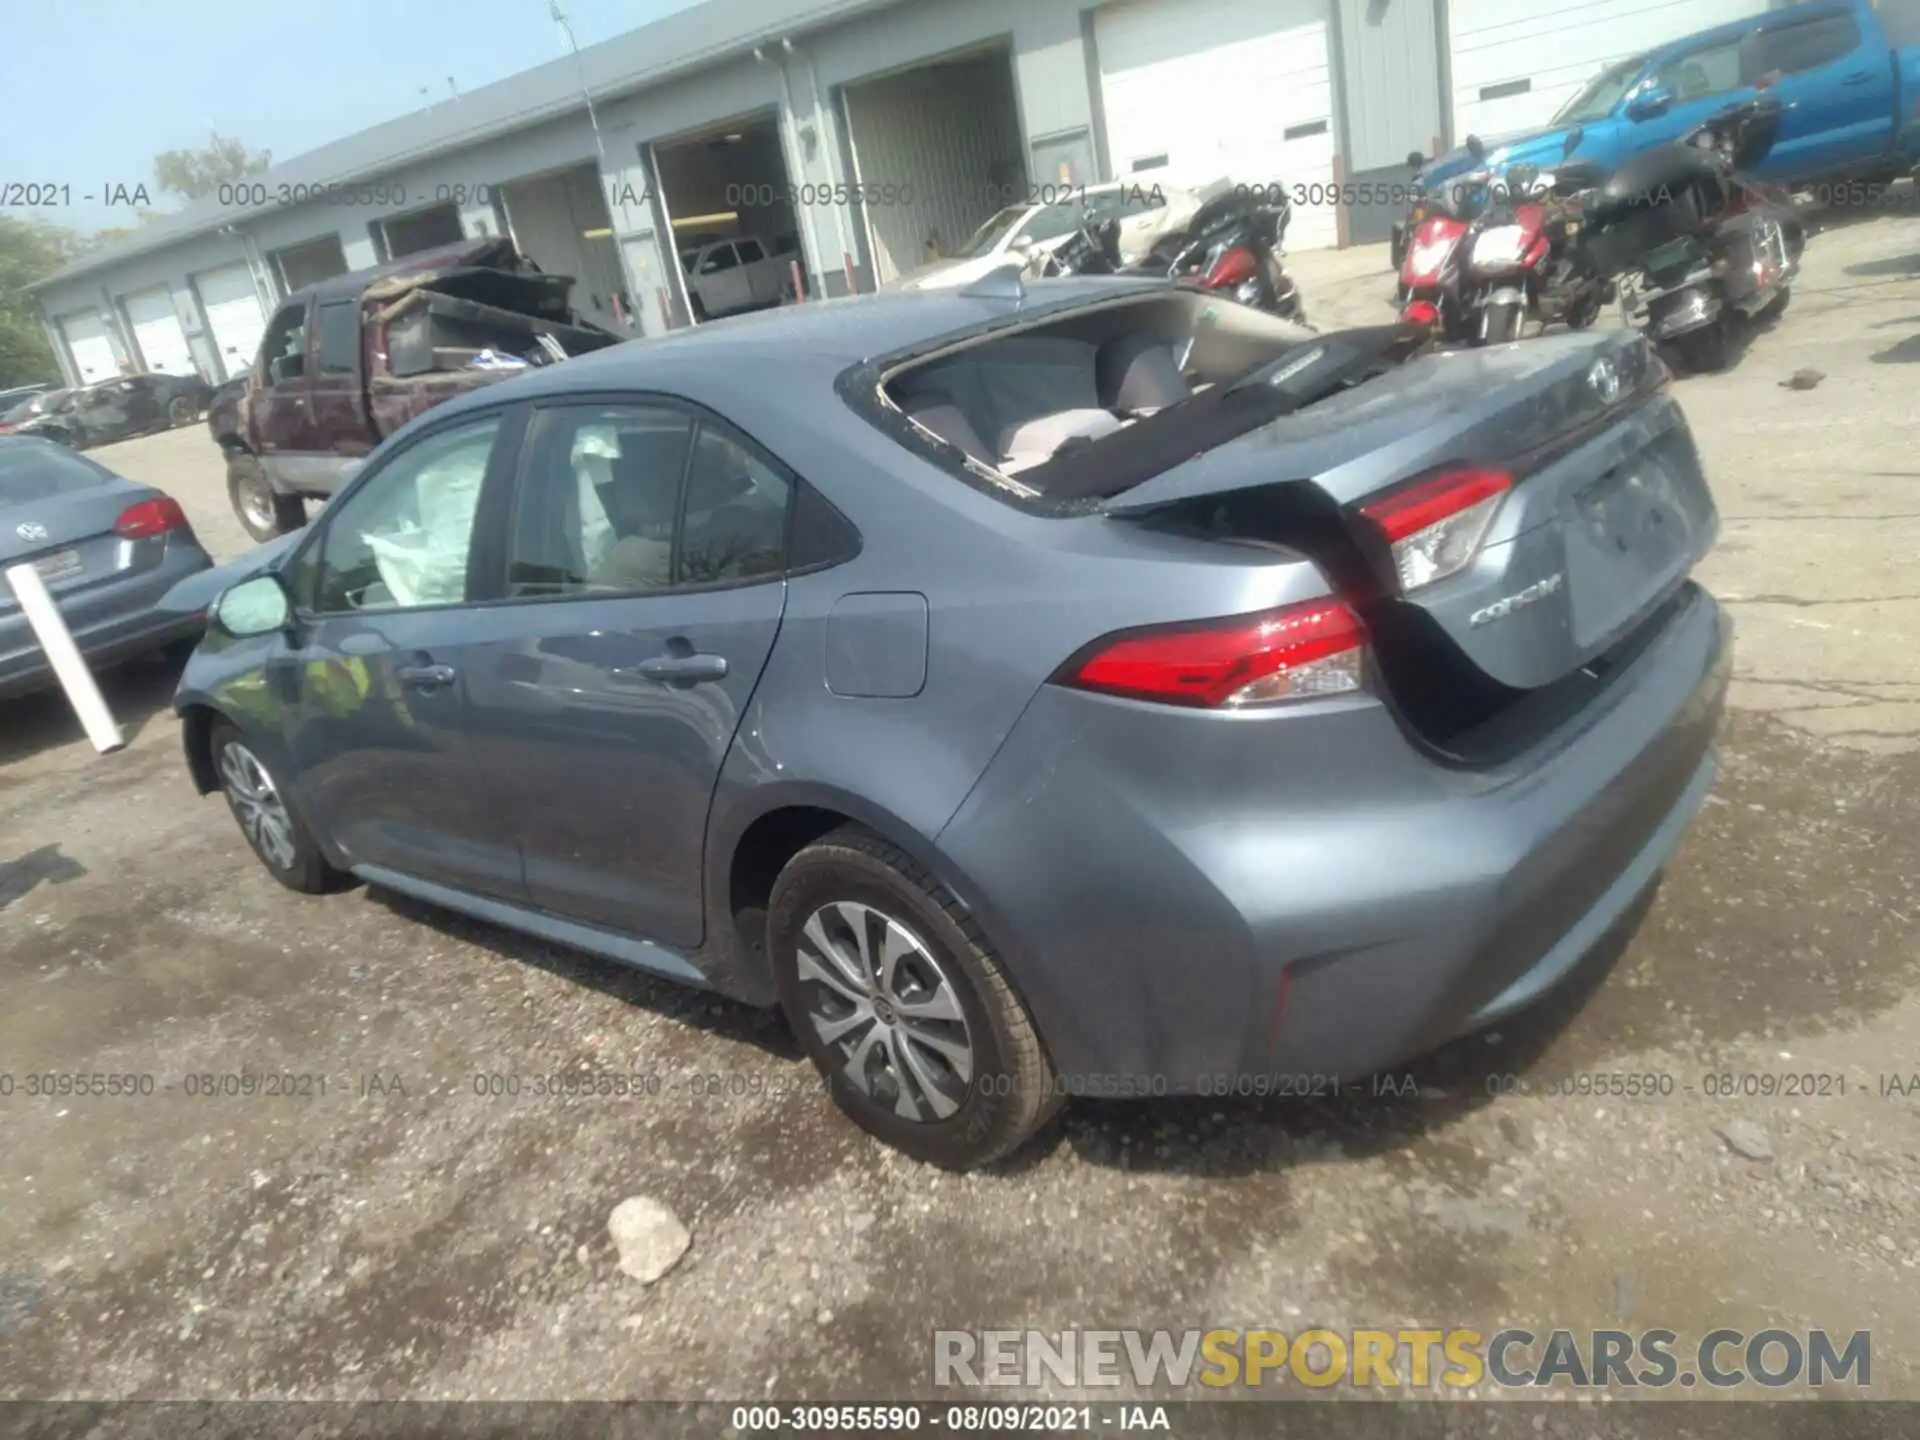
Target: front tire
(273, 829)
(1502, 324)
(263, 513)
(181, 411)
(903, 1006)
(1708, 350)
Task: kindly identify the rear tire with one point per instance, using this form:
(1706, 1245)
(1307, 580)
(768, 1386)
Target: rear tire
(181, 411)
(903, 1006)
(273, 829)
(262, 512)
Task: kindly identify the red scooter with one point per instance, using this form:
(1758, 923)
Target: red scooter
(1503, 247)
(1433, 292)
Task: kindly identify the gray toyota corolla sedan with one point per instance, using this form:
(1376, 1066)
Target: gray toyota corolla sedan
(108, 549)
(1096, 689)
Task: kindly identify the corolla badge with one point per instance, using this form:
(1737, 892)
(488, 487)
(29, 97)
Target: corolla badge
(32, 531)
(1604, 377)
(1532, 595)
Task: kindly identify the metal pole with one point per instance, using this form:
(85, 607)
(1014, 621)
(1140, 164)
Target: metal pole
(74, 676)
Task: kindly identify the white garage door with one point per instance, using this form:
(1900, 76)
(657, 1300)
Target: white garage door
(157, 332)
(233, 314)
(1240, 88)
(92, 351)
(1516, 62)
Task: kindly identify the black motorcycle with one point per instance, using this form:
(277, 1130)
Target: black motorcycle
(1231, 245)
(1701, 250)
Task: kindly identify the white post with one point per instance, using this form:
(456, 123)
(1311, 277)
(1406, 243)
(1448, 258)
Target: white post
(54, 637)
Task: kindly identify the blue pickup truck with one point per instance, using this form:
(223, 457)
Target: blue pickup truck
(1847, 71)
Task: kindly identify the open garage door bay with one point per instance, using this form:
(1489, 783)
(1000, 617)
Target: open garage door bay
(1516, 62)
(87, 343)
(232, 309)
(1195, 89)
(562, 223)
(936, 151)
(157, 333)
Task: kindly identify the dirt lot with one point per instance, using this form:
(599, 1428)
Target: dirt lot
(400, 1235)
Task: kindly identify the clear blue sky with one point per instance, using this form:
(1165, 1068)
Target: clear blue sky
(94, 89)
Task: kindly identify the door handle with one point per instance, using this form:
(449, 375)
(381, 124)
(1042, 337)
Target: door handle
(426, 677)
(683, 669)
(1859, 77)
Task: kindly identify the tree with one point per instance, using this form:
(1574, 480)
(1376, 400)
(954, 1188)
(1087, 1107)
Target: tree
(29, 251)
(114, 234)
(196, 174)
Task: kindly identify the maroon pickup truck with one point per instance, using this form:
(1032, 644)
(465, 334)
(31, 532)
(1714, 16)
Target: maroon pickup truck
(347, 362)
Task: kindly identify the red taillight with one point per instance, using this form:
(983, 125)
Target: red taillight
(1421, 312)
(1234, 264)
(1435, 525)
(150, 517)
(1288, 654)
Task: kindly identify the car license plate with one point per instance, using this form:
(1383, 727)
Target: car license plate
(61, 565)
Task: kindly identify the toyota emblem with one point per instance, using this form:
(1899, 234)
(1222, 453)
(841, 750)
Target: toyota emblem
(1604, 377)
(32, 531)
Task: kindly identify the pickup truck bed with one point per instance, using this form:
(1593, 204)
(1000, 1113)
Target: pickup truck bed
(347, 362)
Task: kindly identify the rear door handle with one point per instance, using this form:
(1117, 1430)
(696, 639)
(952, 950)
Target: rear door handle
(1859, 77)
(683, 669)
(427, 677)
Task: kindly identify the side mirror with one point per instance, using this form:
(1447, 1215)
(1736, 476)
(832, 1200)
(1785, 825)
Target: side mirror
(254, 607)
(1572, 142)
(1654, 101)
(1475, 148)
(1415, 160)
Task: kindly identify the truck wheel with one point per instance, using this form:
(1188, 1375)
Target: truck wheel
(1708, 350)
(263, 514)
(182, 411)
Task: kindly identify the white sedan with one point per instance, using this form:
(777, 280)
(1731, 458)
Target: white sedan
(1147, 209)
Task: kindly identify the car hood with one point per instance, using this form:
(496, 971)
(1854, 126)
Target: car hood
(196, 593)
(1535, 147)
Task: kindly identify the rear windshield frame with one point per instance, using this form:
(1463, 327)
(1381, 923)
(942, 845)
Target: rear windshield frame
(50, 458)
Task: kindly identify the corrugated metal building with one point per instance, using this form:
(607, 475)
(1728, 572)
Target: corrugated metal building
(851, 138)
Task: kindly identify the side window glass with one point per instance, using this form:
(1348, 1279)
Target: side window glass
(285, 347)
(736, 516)
(401, 540)
(597, 500)
(339, 337)
(721, 257)
(749, 251)
(1789, 49)
(1712, 71)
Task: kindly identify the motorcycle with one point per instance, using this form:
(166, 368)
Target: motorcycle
(1433, 293)
(1523, 259)
(1232, 245)
(1701, 251)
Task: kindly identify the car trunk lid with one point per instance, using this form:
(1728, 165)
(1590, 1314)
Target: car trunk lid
(1607, 513)
(71, 542)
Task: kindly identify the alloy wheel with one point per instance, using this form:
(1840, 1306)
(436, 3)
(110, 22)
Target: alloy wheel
(258, 805)
(256, 499)
(879, 1000)
(181, 411)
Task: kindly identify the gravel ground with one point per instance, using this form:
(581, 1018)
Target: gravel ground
(402, 1235)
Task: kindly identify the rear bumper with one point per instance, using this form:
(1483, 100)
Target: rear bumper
(115, 621)
(1186, 899)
